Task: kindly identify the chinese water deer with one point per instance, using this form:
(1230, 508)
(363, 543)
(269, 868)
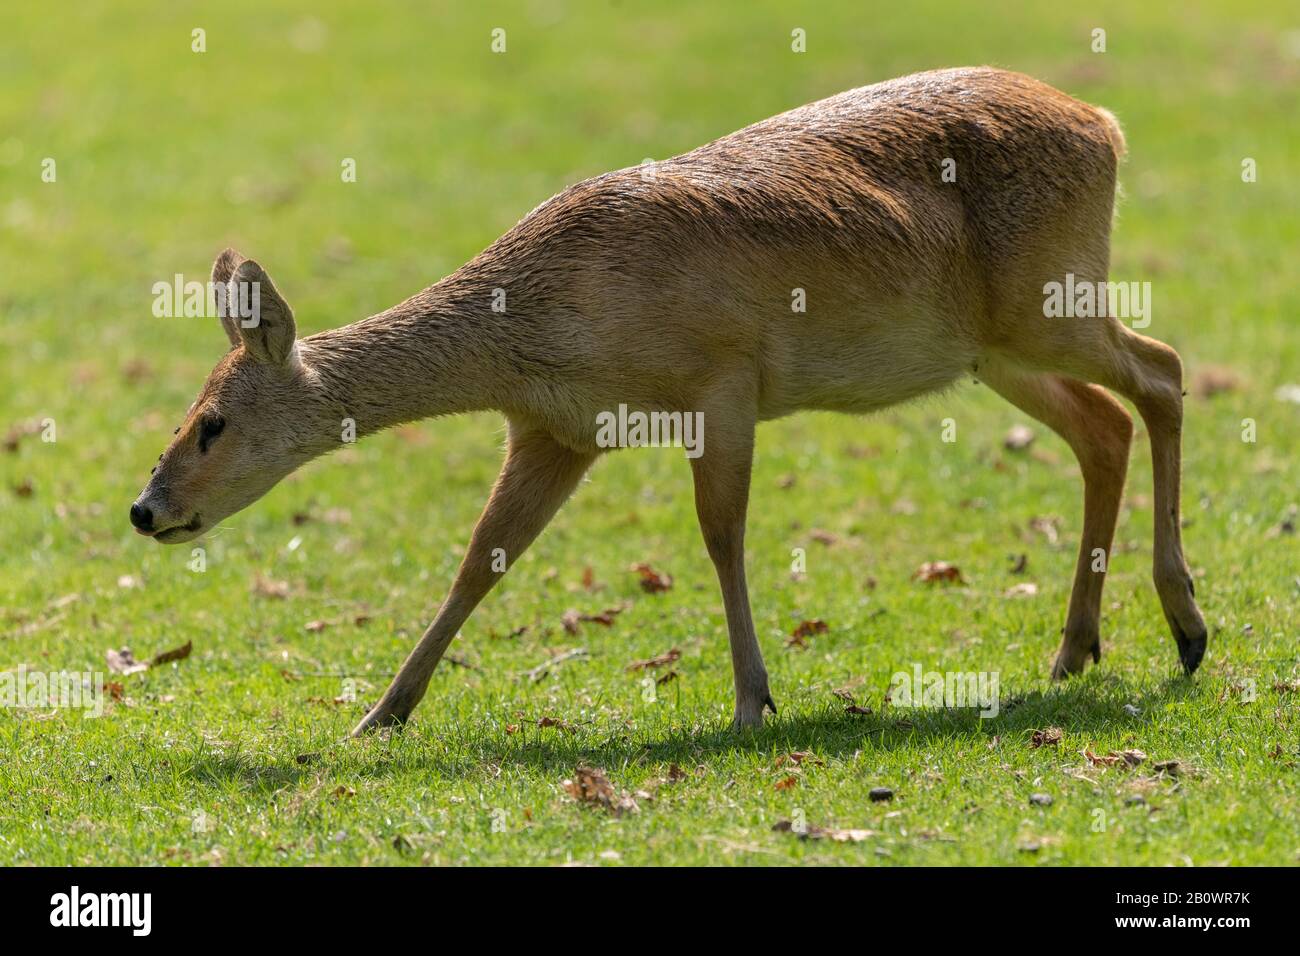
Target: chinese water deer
(919, 220)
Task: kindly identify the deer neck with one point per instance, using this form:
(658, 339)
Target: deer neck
(444, 351)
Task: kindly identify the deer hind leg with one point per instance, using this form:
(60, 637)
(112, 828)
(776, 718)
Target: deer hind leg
(1100, 432)
(537, 477)
(1149, 374)
(721, 500)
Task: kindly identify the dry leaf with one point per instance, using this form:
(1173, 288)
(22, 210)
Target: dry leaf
(786, 783)
(670, 656)
(269, 588)
(823, 833)
(1046, 738)
(591, 788)
(175, 654)
(563, 725)
(652, 582)
(1127, 758)
(316, 625)
(809, 628)
(933, 571)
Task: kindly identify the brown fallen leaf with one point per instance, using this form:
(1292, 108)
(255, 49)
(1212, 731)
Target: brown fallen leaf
(856, 709)
(317, 625)
(822, 536)
(1046, 738)
(114, 689)
(933, 571)
(175, 654)
(342, 792)
(589, 579)
(670, 656)
(605, 617)
(808, 628)
(823, 833)
(1127, 758)
(652, 582)
(786, 783)
(591, 788)
(24, 488)
(667, 677)
(270, 588)
(556, 722)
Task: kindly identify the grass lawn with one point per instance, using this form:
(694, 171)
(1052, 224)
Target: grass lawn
(164, 156)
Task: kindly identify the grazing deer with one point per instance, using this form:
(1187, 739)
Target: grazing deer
(670, 288)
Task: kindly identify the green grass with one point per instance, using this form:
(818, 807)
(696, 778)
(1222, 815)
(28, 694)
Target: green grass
(165, 156)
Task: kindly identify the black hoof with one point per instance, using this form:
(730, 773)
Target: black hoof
(1190, 652)
(770, 703)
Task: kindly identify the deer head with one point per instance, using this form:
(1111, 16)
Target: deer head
(258, 417)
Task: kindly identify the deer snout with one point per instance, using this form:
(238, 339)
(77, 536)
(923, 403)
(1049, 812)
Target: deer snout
(142, 517)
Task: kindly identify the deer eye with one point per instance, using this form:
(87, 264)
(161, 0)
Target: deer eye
(209, 428)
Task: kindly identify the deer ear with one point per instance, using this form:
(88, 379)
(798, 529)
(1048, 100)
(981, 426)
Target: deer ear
(263, 319)
(222, 272)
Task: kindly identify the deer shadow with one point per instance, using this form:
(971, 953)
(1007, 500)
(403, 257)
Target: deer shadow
(1086, 706)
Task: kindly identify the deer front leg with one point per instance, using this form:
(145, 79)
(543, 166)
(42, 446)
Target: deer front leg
(537, 477)
(721, 499)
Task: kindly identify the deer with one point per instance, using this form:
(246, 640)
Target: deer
(922, 218)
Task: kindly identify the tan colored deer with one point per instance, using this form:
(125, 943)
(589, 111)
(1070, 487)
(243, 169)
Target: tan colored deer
(670, 288)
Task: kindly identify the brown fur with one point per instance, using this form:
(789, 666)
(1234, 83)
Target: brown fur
(671, 290)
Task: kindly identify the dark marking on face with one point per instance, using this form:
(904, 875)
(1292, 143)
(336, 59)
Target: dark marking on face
(210, 426)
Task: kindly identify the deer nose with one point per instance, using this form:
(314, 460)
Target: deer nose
(142, 517)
